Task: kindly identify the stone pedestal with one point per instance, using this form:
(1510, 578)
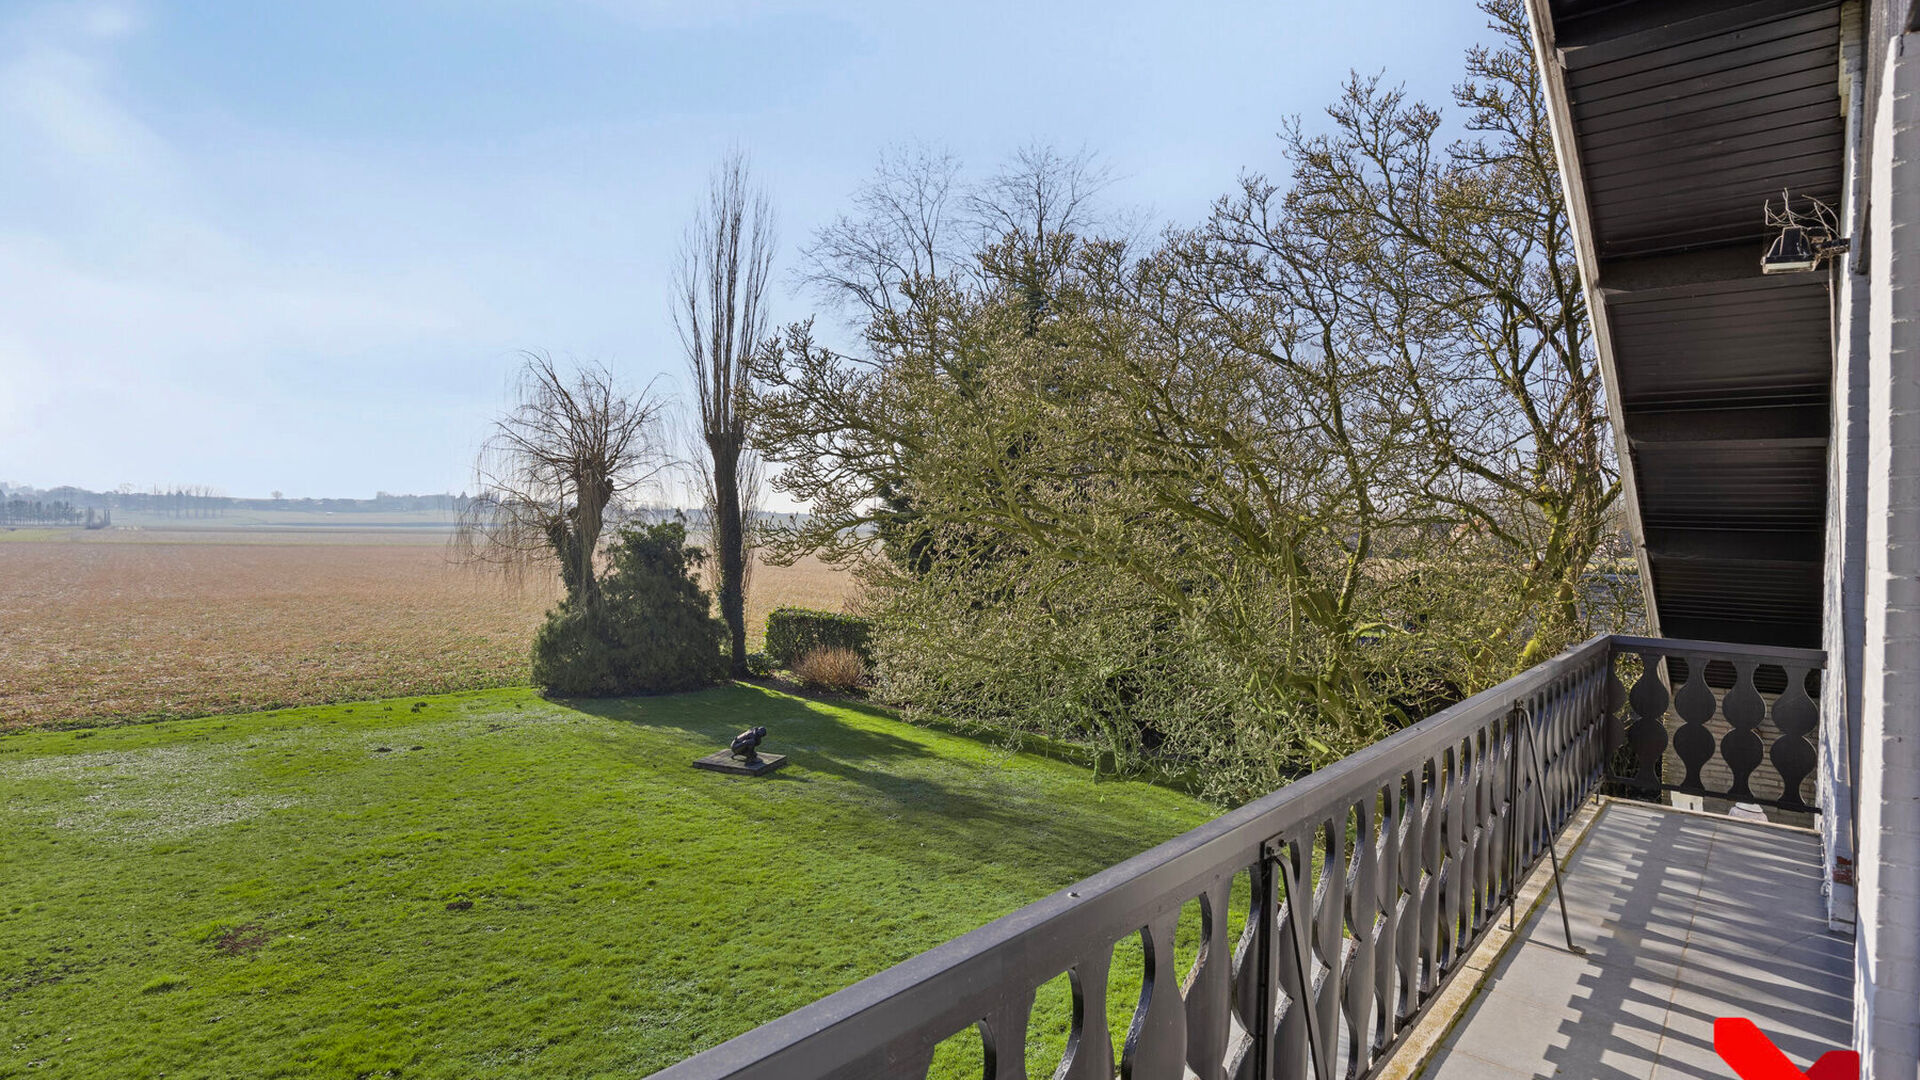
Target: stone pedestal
(725, 762)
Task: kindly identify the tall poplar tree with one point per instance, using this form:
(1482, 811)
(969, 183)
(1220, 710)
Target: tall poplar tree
(720, 311)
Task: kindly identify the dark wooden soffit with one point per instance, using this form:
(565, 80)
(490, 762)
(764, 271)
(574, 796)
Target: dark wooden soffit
(1676, 120)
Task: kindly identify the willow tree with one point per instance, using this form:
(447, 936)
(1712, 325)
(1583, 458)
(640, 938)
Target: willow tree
(720, 311)
(556, 466)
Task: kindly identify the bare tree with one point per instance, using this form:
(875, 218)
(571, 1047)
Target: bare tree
(925, 247)
(720, 311)
(1471, 247)
(900, 237)
(917, 226)
(1038, 200)
(563, 458)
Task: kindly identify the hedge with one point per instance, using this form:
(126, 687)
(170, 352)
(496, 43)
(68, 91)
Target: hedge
(793, 632)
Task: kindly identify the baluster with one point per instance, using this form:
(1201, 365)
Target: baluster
(1795, 715)
(1741, 746)
(1386, 986)
(1500, 775)
(1246, 971)
(1648, 733)
(1532, 713)
(1003, 1035)
(1486, 843)
(1526, 806)
(1537, 712)
(1329, 936)
(1559, 709)
(1362, 917)
(1513, 779)
(1548, 739)
(1596, 716)
(1431, 881)
(1552, 754)
(1575, 718)
(1476, 813)
(1467, 867)
(1156, 1046)
(1513, 825)
(1559, 738)
(1459, 867)
(1406, 945)
(1692, 741)
(1547, 742)
(1591, 720)
(1615, 727)
(1413, 880)
(1089, 1045)
(1443, 868)
(1583, 718)
(1207, 990)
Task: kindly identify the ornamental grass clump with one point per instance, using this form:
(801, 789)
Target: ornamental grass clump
(831, 667)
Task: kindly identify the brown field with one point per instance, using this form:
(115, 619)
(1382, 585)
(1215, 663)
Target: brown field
(126, 624)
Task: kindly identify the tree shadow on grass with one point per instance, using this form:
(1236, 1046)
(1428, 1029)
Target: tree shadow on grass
(975, 810)
(713, 717)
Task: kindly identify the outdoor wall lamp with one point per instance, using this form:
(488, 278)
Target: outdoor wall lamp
(1807, 235)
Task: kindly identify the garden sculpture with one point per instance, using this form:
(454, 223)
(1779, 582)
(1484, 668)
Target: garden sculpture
(746, 743)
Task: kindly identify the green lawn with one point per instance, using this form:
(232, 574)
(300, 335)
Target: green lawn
(493, 885)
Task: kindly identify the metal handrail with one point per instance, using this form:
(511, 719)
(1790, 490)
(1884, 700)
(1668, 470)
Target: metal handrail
(1432, 804)
(1722, 650)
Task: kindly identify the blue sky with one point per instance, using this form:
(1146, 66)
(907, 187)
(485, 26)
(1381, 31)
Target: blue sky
(296, 246)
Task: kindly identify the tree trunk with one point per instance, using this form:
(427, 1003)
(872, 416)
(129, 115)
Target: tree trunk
(730, 544)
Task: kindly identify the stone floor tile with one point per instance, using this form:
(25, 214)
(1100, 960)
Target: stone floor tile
(1455, 1065)
(1686, 918)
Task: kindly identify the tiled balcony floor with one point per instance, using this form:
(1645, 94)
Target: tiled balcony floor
(1685, 918)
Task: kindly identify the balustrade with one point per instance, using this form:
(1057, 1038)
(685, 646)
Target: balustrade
(1732, 722)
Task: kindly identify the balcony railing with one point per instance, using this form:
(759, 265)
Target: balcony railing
(1370, 880)
(1732, 722)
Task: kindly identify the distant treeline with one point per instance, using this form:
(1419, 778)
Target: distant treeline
(67, 505)
(199, 501)
(45, 512)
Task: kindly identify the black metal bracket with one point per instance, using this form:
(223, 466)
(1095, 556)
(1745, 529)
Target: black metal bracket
(1261, 907)
(1546, 823)
(1513, 822)
(1281, 852)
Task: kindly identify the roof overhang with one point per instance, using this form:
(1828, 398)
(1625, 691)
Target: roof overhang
(1675, 121)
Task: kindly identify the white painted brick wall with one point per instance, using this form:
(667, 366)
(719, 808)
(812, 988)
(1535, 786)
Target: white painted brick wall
(1887, 989)
(1842, 612)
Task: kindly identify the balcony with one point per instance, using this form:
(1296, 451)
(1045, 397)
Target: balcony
(1682, 918)
(1381, 888)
